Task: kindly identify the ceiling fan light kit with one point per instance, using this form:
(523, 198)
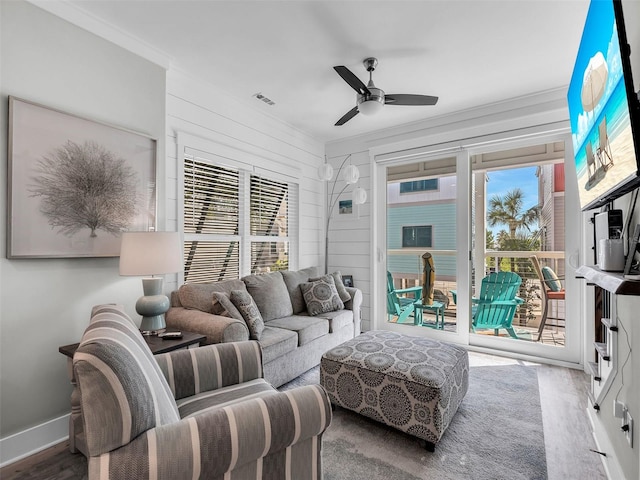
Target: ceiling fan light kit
(369, 99)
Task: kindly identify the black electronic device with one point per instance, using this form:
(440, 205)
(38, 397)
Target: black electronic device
(604, 110)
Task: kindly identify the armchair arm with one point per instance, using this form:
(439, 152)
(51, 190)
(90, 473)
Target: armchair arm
(218, 329)
(196, 370)
(417, 291)
(209, 444)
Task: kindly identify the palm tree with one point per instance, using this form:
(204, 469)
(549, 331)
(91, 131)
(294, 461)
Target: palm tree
(508, 210)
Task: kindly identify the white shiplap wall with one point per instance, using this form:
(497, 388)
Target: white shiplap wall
(199, 109)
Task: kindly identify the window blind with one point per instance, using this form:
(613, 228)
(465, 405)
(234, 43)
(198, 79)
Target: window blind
(235, 222)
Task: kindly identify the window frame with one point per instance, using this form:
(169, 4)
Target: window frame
(226, 157)
(415, 227)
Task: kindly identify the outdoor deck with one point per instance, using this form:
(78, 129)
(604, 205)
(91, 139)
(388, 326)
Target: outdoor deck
(527, 319)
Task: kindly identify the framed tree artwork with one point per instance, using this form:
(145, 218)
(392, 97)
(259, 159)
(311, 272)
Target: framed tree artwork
(75, 184)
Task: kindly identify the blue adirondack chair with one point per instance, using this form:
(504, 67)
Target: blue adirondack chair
(497, 303)
(401, 306)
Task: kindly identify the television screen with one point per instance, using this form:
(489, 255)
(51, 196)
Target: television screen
(601, 110)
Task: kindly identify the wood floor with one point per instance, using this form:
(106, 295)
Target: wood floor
(569, 443)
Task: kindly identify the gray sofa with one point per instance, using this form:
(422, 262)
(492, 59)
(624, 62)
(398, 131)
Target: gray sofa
(292, 340)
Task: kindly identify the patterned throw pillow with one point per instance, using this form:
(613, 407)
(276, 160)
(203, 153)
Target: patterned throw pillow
(321, 296)
(247, 307)
(345, 296)
(224, 301)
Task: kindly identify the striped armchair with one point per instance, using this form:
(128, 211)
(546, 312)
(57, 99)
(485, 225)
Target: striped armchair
(198, 413)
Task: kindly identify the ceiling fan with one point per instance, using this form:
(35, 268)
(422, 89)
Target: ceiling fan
(371, 99)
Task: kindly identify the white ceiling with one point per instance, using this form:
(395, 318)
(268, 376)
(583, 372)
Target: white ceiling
(468, 53)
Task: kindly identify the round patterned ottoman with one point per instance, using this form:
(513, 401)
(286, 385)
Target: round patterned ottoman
(412, 384)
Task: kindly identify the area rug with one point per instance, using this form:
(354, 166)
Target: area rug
(496, 434)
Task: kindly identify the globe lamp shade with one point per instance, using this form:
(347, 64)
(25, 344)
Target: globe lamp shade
(351, 174)
(325, 172)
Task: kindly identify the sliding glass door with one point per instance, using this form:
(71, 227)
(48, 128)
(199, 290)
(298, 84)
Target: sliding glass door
(457, 224)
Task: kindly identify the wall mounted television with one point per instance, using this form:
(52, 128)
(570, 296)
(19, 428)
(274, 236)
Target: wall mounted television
(604, 109)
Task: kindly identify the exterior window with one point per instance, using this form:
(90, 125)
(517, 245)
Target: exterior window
(420, 236)
(235, 223)
(419, 186)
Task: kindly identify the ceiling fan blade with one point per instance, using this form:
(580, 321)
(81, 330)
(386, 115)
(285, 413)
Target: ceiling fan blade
(349, 77)
(407, 99)
(347, 116)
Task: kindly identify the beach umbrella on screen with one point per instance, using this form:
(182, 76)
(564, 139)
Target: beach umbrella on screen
(594, 82)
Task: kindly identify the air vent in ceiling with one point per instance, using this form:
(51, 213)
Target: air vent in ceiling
(266, 100)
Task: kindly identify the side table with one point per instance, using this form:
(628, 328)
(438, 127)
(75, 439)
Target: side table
(156, 345)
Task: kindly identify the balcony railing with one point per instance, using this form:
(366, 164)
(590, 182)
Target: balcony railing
(406, 268)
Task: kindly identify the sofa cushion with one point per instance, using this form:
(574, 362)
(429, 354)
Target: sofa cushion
(270, 294)
(551, 279)
(224, 299)
(293, 279)
(199, 296)
(342, 290)
(247, 307)
(277, 342)
(321, 296)
(307, 328)
(338, 319)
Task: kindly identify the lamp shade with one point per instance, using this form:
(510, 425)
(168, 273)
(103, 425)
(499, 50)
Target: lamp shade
(325, 172)
(359, 195)
(150, 253)
(351, 174)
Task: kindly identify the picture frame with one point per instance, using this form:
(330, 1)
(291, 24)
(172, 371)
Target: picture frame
(345, 207)
(75, 184)
(347, 280)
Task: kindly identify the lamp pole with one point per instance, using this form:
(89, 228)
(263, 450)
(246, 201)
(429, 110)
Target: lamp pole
(332, 204)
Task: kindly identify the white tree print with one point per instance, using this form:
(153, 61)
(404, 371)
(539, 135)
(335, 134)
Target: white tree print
(86, 186)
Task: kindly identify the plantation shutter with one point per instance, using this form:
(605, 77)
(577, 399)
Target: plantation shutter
(269, 224)
(237, 219)
(211, 221)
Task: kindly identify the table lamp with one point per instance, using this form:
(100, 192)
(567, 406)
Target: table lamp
(151, 253)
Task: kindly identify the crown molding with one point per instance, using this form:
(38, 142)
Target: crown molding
(83, 19)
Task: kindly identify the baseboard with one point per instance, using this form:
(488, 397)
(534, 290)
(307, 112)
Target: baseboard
(33, 440)
(610, 462)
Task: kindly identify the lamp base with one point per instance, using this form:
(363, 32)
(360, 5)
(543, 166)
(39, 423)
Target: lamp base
(152, 306)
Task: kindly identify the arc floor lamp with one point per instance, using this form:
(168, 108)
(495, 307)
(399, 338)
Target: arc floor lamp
(350, 176)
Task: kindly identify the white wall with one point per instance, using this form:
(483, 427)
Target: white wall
(46, 303)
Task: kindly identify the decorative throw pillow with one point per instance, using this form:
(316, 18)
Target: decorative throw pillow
(225, 302)
(244, 302)
(293, 279)
(551, 279)
(321, 296)
(342, 290)
(270, 294)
